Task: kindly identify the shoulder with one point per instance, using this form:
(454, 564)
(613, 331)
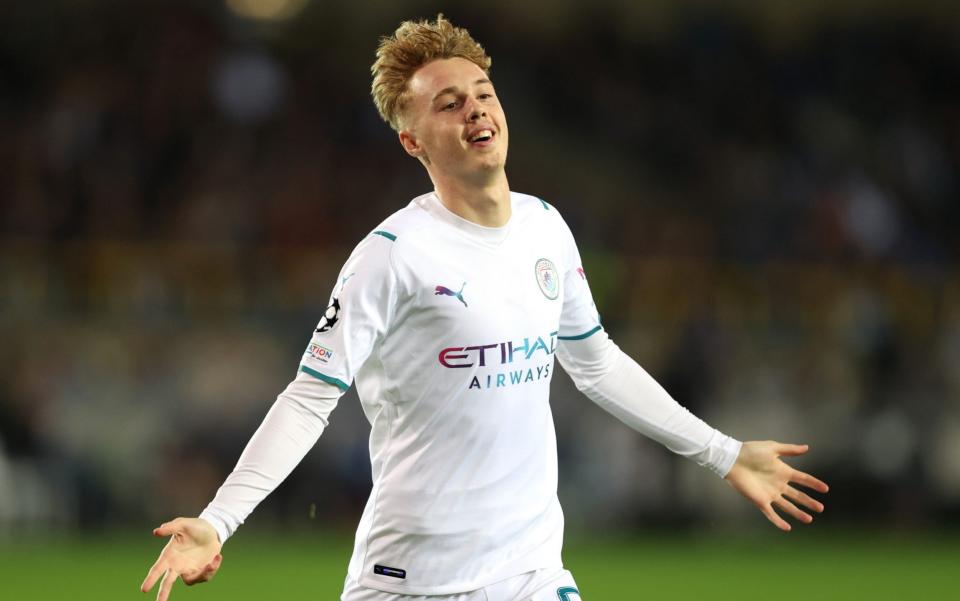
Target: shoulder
(524, 203)
(403, 223)
(405, 231)
(391, 238)
(535, 211)
(529, 207)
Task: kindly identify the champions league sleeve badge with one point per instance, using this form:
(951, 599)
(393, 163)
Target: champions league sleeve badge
(332, 313)
(330, 316)
(547, 278)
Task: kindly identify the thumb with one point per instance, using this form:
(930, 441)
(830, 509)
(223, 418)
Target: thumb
(792, 450)
(167, 528)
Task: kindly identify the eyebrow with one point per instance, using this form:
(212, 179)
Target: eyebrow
(452, 89)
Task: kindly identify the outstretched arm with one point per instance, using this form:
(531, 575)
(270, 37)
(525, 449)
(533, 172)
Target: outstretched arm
(765, 480)
(289, 430)
(617, 384)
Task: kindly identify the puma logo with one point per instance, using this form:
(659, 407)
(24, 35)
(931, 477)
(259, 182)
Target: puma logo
(447, 292)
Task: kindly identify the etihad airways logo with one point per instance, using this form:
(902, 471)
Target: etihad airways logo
(497, 353)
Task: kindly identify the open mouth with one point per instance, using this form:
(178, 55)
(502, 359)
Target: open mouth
(481, 137)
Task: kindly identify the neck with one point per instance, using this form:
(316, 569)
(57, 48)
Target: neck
(487, 205)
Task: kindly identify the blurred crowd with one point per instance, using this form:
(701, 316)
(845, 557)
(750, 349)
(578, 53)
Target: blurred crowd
(768, 224)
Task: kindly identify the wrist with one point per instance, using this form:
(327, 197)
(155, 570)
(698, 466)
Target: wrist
(217, 528)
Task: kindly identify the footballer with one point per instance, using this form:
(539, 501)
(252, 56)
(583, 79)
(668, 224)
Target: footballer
(448, 317)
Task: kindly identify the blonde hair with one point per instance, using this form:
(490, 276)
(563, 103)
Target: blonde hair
(413, 45)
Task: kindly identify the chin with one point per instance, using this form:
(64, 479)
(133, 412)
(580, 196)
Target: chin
(490, 167)
(494, 160)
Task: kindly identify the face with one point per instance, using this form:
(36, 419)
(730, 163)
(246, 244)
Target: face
(454, 123)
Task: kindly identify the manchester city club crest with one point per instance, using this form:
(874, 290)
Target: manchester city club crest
(547, 278)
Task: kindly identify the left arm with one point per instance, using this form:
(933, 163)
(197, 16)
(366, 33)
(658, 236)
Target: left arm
(620, 386)
(615, 382)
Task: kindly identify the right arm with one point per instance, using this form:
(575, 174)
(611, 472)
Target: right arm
(289, 430)
(354, 322)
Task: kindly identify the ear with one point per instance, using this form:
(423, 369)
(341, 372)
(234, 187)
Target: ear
(411, 144)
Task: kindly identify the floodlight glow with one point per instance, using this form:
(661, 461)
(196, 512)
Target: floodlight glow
(266, 10)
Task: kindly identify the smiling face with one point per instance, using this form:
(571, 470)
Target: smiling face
(453, 122)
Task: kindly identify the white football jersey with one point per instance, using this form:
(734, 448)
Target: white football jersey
(449, 330)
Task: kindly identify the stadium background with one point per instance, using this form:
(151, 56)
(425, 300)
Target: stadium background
(765, 196)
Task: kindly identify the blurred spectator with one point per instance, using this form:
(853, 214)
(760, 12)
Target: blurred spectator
(768, 224)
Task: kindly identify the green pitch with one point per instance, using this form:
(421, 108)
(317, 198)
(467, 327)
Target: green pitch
(799, 566)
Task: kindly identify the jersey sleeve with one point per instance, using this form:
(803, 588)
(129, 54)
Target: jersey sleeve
(616, 383)
(357, 316)
(289, 430)
(579, 318)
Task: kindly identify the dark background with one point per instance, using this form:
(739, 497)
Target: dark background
(765, 196)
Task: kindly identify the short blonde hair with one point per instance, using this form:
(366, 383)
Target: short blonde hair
(413, 45)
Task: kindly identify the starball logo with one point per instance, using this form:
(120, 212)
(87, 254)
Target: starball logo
(498, 354)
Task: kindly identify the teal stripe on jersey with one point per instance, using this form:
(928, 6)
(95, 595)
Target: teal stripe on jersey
(564, 592)
(386, 235)
(326, 379)
(546, 207)
(581, 336)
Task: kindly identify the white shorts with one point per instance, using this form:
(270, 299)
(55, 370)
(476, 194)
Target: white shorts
(555, 584)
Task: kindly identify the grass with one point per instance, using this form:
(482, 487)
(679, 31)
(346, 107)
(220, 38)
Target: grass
(837, 567)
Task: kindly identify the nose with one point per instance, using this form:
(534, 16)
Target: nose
(475, 110)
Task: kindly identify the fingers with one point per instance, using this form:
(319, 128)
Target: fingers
(791, 450)
(793, 510)
(156, 571)
(803, 499)
(809, 481)
(166, 585)
(775, 519)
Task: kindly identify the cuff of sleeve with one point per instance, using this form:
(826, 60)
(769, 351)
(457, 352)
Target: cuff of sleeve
(219, 525)
(720, 455)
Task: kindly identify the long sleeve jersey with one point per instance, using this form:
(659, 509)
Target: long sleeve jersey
(449, 330)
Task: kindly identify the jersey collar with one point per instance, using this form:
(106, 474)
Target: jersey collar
(491, 235)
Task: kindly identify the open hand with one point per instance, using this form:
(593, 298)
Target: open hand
(193, 554)
(761, 477)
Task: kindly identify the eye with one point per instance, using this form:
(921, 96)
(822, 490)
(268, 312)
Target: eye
(449, 106)
(485, 95)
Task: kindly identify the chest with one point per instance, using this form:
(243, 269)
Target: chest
(478, 295)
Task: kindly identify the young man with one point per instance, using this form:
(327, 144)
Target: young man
(448, 317)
